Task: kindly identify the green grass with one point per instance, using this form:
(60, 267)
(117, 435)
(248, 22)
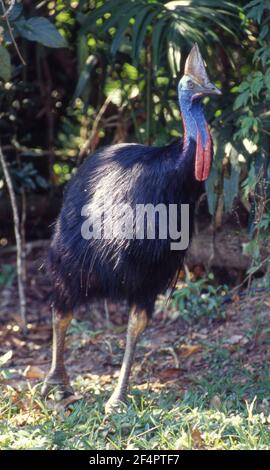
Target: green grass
(221, 399)
(221, 411)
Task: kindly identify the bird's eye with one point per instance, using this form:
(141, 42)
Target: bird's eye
(190, 84)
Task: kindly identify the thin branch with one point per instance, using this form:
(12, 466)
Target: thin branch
(5, 17)
(29, 246)
(23, 235)
(20, 255)
(87, 144)
(12, 4)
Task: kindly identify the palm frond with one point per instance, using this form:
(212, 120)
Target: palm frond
(175, 25)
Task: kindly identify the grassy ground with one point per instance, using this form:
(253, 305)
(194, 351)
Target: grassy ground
(198, 385)
(199, 381)
(154, 421)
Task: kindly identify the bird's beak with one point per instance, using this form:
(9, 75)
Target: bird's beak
(195, 68)
(210, 89)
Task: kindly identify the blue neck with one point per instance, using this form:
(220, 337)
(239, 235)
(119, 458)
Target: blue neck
(193, 119)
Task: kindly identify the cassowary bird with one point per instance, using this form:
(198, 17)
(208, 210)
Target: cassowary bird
(86, 262)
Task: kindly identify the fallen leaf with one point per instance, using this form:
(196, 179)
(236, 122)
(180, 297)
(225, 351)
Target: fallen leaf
(33, 372)
(67, 401)
(152, 385)
(189, 349)
(18, 342)
(171, 373)
(23, 419)
(198, 441)
(5, 358)
(234, 339)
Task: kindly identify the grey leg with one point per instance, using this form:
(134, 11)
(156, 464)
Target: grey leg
(137, 323)
(57, 378)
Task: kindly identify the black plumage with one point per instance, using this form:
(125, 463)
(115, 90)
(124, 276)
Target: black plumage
(136, 270)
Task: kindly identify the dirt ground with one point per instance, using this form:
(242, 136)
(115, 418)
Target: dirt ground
(172, 353)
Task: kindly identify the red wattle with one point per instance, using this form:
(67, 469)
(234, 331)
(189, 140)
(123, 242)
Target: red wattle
(203, 157)
(199, 158)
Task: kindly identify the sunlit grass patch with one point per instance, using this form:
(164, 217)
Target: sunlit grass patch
(151, 421)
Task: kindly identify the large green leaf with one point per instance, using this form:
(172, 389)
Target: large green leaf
(174, 49)
(158, 32)
(196, 21)
(41, 30)
(142, 20)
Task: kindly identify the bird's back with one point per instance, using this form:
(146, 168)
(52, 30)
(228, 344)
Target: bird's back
(120, 176)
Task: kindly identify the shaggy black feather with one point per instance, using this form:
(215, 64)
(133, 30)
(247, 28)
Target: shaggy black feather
(135, 270)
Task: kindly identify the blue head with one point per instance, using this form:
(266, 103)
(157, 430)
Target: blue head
(193, 86)
(195, 82)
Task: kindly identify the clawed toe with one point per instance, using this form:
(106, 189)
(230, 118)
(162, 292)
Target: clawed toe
(115, 405)
(60, 391)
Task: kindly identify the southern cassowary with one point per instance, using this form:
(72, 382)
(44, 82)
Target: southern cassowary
(132, 268)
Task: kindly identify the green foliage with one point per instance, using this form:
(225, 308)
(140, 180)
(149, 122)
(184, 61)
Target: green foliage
(27, 177)
(200, 299)
(37, 29)
(159, 422)
(128, 54)
(257, 187)
(254, 99)
(254, 91)
(40, 30)
(171, 25)
(253, 103)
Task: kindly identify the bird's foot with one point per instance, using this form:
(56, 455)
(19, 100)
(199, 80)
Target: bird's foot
(58, 386)
(116, 404)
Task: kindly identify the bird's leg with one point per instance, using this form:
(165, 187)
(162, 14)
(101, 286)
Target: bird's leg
(57, 378)
(137, 323)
